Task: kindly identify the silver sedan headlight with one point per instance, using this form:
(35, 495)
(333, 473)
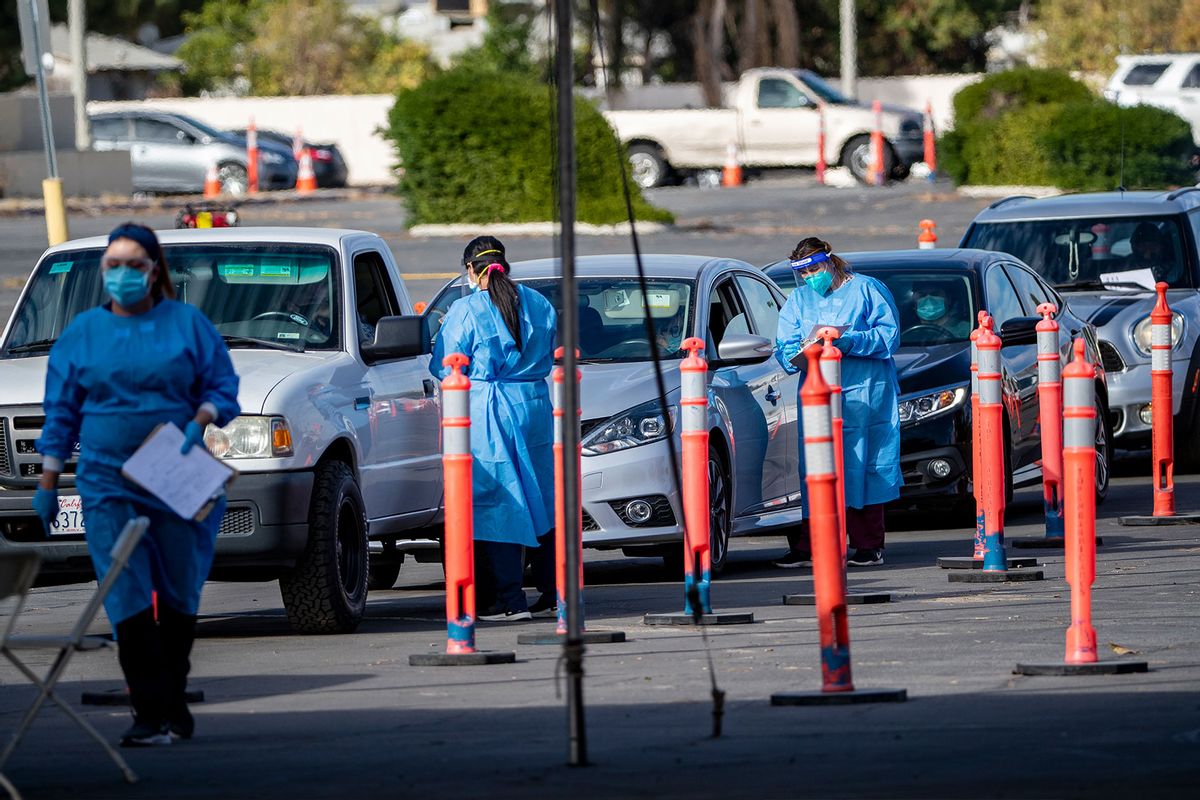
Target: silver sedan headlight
(250, 437)
(638, 426)
(1145, 329)
(922, 407)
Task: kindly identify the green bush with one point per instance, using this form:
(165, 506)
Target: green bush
(1014, 89)
(476, 146)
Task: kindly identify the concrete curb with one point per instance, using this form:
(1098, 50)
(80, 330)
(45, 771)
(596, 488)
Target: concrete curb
(106, 204)
(985, 192)
(459, 230)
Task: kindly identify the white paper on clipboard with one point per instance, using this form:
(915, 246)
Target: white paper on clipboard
(808, 341)
(184, 483)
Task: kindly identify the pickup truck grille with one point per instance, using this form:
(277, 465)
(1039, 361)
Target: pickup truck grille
(1110, 359)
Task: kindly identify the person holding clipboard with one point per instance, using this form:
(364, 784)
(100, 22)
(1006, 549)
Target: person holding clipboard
(115, 374)
(829, 293)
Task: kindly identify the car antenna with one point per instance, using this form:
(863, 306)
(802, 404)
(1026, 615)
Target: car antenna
(1121, 179)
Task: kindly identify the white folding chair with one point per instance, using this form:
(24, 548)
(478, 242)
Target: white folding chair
(17, 573)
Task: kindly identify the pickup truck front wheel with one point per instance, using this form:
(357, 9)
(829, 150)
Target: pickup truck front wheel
(326, 592)
(856, 156)
(649, 167)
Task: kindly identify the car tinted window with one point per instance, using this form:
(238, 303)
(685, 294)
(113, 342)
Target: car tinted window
(776, 93)
(1192, 80)
(110, 129)
(153, 130)
(1117, 253)
(1145, 74)
(761, 304)
(936, 306)
(726, 315)
(1029, 290)
(1000, 297)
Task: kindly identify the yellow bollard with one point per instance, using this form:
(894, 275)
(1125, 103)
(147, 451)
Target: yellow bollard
(56, 211)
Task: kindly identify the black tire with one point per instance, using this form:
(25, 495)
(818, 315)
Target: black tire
(326, 592)
(856, 156)
(233, 178)
(1104, 449)
(382, 574)
(650, 167)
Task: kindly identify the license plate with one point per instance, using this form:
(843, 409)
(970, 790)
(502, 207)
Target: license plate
(70, 517)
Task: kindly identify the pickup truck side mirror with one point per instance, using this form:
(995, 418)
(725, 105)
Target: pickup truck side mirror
(397, 337)
(744, 348)
(1019, 331)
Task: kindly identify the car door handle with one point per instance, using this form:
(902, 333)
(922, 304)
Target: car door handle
(427, 384)
(772, 396)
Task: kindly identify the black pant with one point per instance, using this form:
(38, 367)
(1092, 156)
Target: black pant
(543, 564)
(864, 529)
(499, 568)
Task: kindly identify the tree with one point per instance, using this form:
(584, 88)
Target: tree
(1088, 35)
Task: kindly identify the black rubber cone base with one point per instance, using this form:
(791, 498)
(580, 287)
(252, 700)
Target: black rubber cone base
(1174, 519)
(852, 599)
(680, 618)
(1044, 542)
(967, 562)
(819, 698)
(1094, 668)
(476, 659)
(1012, 576)
(120, 697)
(587, 637)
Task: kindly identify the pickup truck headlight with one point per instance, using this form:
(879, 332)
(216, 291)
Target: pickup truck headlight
(250, 437)
(639, 425)
(922, 407)
(1144, 329)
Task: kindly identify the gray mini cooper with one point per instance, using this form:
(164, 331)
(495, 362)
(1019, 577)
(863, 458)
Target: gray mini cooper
(1104, 252)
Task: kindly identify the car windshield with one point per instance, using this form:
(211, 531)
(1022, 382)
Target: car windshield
(1115, 253)
(200, 126)
(257, 295)
(611, 315)
(936, 307)
(822, 88)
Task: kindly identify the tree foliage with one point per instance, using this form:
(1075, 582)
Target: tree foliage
(1089, 34)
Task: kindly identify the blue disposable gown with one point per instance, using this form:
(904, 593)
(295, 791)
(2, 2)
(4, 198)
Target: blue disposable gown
(110, 381)
(512, 422)
(870, 392)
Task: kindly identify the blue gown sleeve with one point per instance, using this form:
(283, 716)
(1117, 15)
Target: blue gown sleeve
(218, 383)
(456, 335)
(63, 403)
(877, 333)
(788, 335)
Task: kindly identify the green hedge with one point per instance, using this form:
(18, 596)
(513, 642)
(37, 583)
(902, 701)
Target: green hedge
(1041, 127)
(476, 147)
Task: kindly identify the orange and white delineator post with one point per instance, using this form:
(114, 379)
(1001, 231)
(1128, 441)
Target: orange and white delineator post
(831, 373)
(976, 446)
(558, 382)
(693, 403)
(1162, 405)
(991, 460)
(251, 157)
(459, 513)
(877, 176)
(1050, 404)
(930, 141)
(926, 239)
(822, 165)
(1079, 464)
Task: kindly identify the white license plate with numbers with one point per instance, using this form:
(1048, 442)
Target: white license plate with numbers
(70, 517)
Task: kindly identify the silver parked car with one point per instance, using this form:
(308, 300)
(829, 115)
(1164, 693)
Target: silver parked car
(173, 152)
(1104, 252)
(629, 498)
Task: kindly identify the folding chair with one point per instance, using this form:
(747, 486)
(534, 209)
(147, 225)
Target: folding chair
(17, 572)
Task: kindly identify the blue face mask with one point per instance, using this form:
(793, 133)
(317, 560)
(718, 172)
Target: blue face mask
(820, 282)
(929, 308)
(126, 285)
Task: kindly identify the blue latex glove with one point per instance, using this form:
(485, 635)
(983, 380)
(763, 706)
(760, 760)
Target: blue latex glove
(785, 356)
(45, 505)
(193, 435)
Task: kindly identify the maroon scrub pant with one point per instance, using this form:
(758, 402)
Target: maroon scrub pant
(864, 528)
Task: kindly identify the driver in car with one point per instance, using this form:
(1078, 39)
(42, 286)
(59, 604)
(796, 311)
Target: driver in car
(934, 309)
(1148, 249)
(670, 333)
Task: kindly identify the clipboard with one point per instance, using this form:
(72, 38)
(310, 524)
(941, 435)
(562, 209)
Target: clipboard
(808, 341)
(188, 484)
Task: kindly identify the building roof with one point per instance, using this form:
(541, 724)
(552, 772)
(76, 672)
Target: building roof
(108, 53)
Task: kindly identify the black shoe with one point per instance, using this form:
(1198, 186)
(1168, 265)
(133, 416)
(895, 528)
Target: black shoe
(866, 557)
(505, 615)
(146, 734)
(544, 606)
(181, 725)
(793, 559)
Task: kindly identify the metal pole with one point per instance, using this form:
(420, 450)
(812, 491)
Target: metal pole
(43, 98)
(77, 26)
(573, 646)
(849, 49)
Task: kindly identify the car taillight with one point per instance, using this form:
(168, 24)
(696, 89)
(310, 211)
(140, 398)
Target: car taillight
(323, 155)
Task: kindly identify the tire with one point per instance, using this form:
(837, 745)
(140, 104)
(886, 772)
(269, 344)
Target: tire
(326, 592)
(233, 178)
(650, 168)
(856, 156)
(900, 172)
(720, 519)
(1104, 450)
(382, 575)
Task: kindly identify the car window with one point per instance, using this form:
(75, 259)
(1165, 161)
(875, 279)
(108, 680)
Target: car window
(936, 306)
(1192, 79)
(153, 130)
(1029, 289)
(110, 129)
(776, 93)
(1002, 301)
(726, 315)
(374, 298)
(761, 305)
(1145, 74)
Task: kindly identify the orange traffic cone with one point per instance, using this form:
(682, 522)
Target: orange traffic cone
(731, 175)
(306, 179)
(212, 182)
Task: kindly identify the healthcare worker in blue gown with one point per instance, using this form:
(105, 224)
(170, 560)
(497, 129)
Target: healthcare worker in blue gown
(118, 371)
(828, 292)
(508, 331)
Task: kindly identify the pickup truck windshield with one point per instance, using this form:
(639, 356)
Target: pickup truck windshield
(1113, 253)
(822, 88)
(257, 295)
(611, 315)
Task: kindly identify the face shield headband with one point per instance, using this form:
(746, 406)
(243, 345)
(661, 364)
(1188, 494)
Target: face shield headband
(802, 264)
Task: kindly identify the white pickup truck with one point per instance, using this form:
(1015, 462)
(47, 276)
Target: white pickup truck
(337, 448)
(773, 119)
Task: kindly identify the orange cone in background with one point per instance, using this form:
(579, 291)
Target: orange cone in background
(212, 181)
(306, 179)
(930, 143)
(876, 174)
(298, 144)
(927, 239)
(822, 165)
(251, 158)
(731, 175)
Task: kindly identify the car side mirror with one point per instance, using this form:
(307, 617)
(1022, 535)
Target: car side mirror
(397, 337)
(744, 348)
(1019, 331)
